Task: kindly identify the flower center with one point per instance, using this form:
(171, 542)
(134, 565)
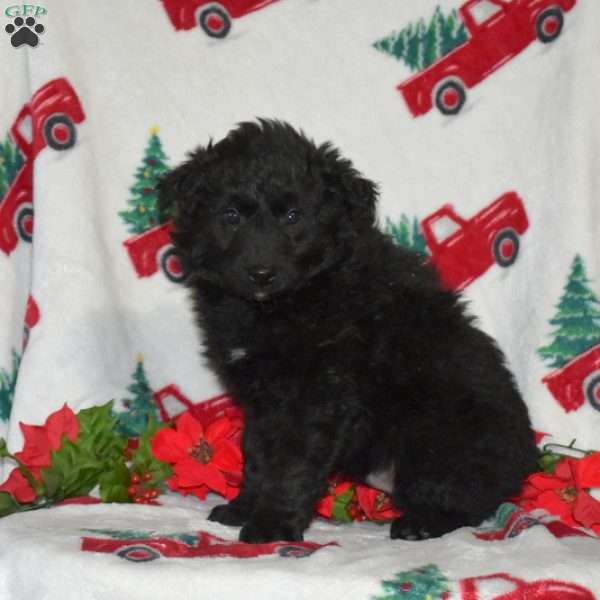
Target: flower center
(380, 501)
(202, 452)
(568, 494)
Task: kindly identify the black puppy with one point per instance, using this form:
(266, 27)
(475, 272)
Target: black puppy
(342, 349)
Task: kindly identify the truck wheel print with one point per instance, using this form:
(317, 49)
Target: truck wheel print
(60, 132)
(138, 553)
(505, 247)
(170, 264)
(549, 25)
(294, 551)
(449, 97)
(591, 389)
(214, 21)
(24, 221)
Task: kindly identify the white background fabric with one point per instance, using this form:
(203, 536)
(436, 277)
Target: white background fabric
(532, 126)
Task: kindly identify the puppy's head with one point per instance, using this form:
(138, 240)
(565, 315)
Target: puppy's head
(265, 210)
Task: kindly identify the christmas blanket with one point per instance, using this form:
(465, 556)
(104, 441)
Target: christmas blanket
(478, 120)
(172, 551)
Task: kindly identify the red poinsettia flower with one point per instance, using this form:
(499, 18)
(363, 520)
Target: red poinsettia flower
(40, 441)
(18, 487)
(565, 492)
(376, 504)
(203, 459)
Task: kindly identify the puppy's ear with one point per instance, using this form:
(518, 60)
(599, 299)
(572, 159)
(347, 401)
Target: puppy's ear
(179, 190)
(344, 182)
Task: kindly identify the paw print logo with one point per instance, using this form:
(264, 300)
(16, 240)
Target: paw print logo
(24, 31)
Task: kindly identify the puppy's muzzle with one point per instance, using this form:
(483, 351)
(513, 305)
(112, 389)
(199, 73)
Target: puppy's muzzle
(262, 280)
(261, 277)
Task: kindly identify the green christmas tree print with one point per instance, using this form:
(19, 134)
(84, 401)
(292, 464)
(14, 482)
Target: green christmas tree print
(140, 408)
(425, 583)
(407, 234)
(8, 383)
(11, 160)
(187, 537)
(577, 320)
(420, 44)
(143, 213)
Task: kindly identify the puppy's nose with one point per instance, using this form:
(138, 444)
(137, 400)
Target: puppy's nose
(261, 276)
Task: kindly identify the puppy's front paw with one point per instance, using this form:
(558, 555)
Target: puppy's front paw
(407, 528)
(229, 514)
(260, 533)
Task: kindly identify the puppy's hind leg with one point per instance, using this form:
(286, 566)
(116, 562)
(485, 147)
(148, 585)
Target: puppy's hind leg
(424, 523)
(433, 508)
(445, 490)
(431, 505)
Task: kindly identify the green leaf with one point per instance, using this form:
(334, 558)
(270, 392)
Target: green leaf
(548, 461)
(8, 504)
(53, 481)
(4, 453)
(82, 481)
(98, 433)
(114, 484)
(74, 471)
(340, 506)
(96, 421)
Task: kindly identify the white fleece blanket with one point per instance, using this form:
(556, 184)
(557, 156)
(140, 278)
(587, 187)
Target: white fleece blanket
(59, 554)
(98, 99)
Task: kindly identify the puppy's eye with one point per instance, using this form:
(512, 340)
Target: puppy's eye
(293, 216)
(231, 216)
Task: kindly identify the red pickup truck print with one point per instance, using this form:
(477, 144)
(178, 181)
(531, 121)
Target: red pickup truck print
(172, 402)
(510, 521)
(462, 249)
(147, 546)
(577, 381)
(502, 586)
(152, 250)
(498, 31)
(48, 119)
(214, 18)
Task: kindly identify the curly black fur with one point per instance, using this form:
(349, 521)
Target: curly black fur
(342, 349)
